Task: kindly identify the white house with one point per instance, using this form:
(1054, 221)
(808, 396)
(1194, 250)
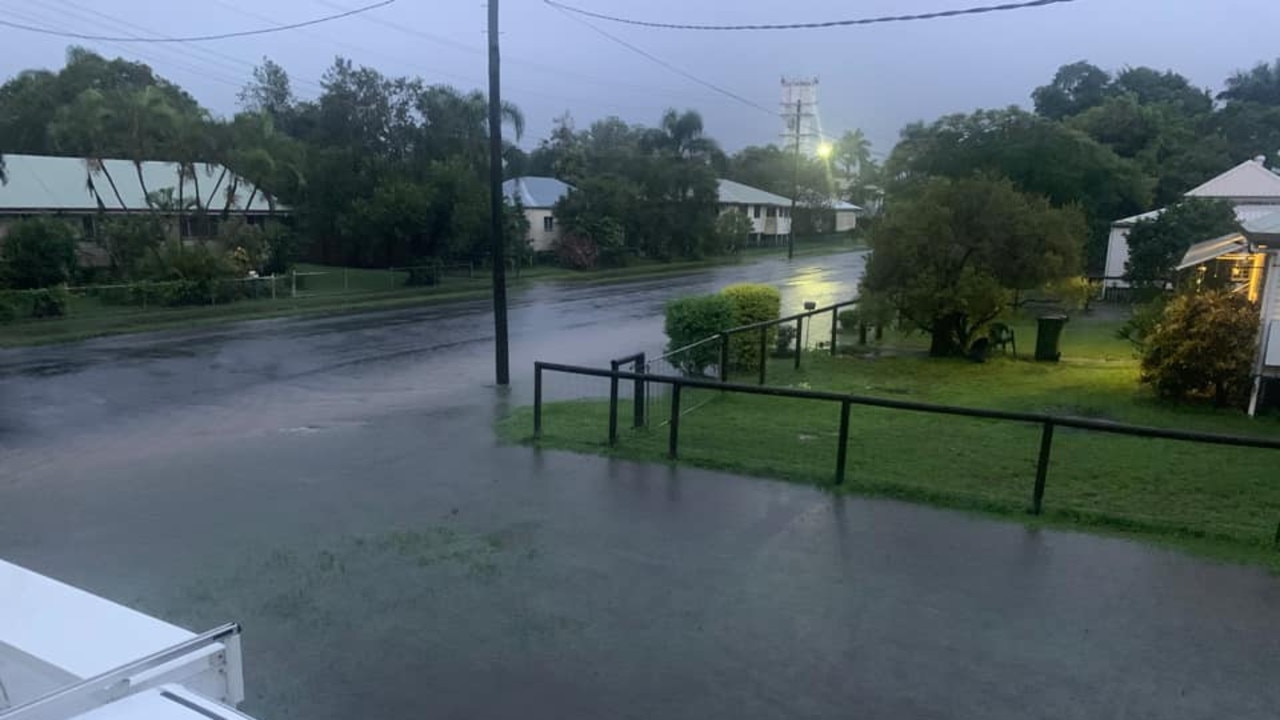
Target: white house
(538, 196)
(1250, 187)
(1250, 261)
(846, 215)
(770, 214)
(80, 190)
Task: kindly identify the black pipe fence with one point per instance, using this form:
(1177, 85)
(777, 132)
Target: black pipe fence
(1046, 422)
(763, 329)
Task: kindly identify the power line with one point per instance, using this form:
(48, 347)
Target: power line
(130, 51)
(197, 38)
(673, 68)
(811, 25)
(214, 57)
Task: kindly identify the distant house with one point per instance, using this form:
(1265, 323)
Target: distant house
(1250, 187)
(846, 216)
(1248, 262)
(81, 190)
(770, 214)
(538, 196)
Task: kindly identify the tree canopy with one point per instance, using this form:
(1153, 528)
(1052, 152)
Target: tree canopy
(1157, 244)
(950, 255)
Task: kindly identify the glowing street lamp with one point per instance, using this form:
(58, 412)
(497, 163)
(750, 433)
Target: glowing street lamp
(825, 149)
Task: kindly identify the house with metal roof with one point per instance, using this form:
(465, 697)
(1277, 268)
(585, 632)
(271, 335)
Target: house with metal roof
(538, 196)
(1251, 187)
(82, 190)
(770, 214)
(1248, 262)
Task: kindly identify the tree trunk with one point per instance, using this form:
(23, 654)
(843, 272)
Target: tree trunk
(252, 194)
(945, 337)
(111, 181)
(231, 196)
(146, 196)
(182, 205)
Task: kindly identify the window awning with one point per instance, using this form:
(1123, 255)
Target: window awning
(1203, 252)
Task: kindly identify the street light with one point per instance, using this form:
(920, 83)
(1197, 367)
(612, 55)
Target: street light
(825, 149)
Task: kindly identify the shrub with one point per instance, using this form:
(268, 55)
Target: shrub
(425, 272)
(697, 318)
(849, 319)
(1203, 347)
(577, 252)
(48, 303)
(8, 308)
(1142, 323)
(38, 253)
(751, 304)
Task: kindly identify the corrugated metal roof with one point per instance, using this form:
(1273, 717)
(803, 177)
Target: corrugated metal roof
(1246, 181)
(735, 193)
(842, 206)
(59, 184)
(1265, 225)
(1203, 252)
(535, 192)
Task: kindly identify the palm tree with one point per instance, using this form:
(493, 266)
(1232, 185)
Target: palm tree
(83, 128)
(681, 134)
(853, 154)
(151, 124)
(192, 146)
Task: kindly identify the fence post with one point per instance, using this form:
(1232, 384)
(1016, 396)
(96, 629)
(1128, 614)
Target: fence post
(842, 450)
(1042, 468)
(293, 290)
(391, 278)
(673, 438)
(637, 404)
(835, 318)
(724, 357)
(346, 285)
(613, 407)
(799, 339)
(537, 400)
(763, 350)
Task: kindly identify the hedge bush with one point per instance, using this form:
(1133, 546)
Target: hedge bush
(751, 303)
(697, 318)
(1203, 347)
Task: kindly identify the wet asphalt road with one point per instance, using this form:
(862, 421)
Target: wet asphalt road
(334, 485)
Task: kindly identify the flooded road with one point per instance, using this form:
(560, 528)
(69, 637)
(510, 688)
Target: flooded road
(334, 485)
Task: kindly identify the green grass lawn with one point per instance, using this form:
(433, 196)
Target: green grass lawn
(323, 289)
(1218, 500)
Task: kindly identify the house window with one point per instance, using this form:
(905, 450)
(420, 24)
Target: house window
(755, 211)
(548, 223)
(770, 212)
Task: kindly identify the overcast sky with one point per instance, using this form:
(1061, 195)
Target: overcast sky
(875, 77)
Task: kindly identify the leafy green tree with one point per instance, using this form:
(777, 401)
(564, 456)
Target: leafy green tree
(1074, 89)
(129, 241)
(733, 228)
(84, 128)
(270, 93)
(1156, 245)
(1040, 156)
(1203, 347)
(38, 253)
(1260, 84)
(949, 256)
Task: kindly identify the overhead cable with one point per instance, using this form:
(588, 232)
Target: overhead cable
(196, 38)
(1003, 7)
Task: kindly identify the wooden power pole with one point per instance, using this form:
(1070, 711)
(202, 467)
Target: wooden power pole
(497, 220)
(795, 188)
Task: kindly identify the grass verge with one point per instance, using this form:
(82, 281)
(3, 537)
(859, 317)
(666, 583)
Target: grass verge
(1216, 501)
(331, 290)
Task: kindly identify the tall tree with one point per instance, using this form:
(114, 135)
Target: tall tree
(1261, 84)
(1074, 89)
(949, 255)
(1040, 156)
(269, 93)
(1156, 245)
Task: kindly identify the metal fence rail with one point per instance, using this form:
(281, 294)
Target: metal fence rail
(1047, 423)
